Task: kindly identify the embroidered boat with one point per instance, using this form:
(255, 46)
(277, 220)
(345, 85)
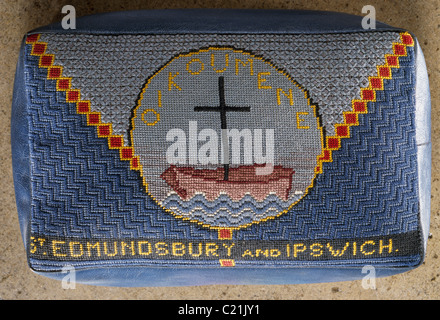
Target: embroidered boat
(242, 180)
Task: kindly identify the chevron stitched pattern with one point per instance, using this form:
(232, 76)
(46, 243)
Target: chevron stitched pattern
(82, 188)
(368, 94)
(365, 189)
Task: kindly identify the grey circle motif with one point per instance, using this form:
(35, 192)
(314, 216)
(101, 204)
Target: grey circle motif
(225, 138)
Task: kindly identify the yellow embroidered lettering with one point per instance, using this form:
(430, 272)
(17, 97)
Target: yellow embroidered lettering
(298, 248)
(144, 244)
(76, 249)
(316, 249)
(228, 248)
(191, 250)
(178, 249)
(197, 69)
(244, 64)
(362, 247)
(213, 63)
(261, 80)
(275, 253)
(55, 248)
(288, 95)
(262, 252)
(299, 120)
(96, 246)
(115, 249)
(171, 82)
(150, 117)
(161, 249)
(41, 241)
(33, 244)
(337, 252)
(389, 246)
(33, 247)
(211, 249)
(248, 253)
(131, 247)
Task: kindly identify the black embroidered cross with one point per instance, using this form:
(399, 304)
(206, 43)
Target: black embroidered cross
(223, 108)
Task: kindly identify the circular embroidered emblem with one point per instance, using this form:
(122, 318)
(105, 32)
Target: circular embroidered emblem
(225, 138)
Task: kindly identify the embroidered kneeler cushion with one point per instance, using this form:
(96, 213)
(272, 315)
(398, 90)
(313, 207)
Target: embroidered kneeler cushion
(189, 147)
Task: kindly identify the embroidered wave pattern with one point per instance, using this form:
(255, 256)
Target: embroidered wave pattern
(223, 212)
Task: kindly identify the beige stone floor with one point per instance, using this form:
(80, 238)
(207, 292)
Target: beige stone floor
(18, 282)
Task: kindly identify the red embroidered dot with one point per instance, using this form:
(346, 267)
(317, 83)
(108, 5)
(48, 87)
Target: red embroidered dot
(225, 234)
(83, 106)
(326, 155)
(368, 95)
(73, 95)
(333, 143)
(54, 72)
(135, 163)
(407, 39)
(115, 142)
(93, 118)
(360, 106)
(38, 48)
(384, 72)
(342, 131)
(227, 263)
(46, 61)
(392, 61)
(104, 130)
(32, 38)
(127, 153)
(376, 83)
(350, 118)
(399, 49)
(63, 84)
